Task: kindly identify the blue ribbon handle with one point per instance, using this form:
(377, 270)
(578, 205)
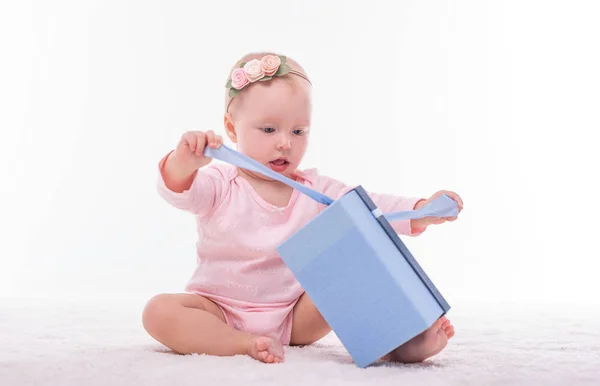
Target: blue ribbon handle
(226, 154)
(443, 206)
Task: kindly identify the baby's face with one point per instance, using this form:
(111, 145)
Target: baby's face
(272, 123)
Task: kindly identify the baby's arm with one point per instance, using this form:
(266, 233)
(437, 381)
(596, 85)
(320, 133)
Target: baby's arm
(185, 180)
(385, 202)
(200, 193)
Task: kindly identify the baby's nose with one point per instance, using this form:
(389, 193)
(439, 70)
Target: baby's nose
(284, 143)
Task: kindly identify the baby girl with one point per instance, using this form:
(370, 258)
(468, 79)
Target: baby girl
(242, 299)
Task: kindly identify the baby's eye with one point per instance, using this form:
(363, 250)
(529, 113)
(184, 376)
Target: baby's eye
(268, 129)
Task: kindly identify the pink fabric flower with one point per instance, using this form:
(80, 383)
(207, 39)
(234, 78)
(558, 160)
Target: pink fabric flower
(270, 64)
(239, 78)
(254, 70)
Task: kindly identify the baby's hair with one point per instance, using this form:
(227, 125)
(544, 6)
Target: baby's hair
(296, 67)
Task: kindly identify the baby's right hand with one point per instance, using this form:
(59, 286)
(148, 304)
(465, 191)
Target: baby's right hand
(189, 153)
(180, 166)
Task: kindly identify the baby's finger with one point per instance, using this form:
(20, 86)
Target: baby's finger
(454, 197)
(438, 220)
(191, 141)
(200, 143)
(457, 198)
(210, 138)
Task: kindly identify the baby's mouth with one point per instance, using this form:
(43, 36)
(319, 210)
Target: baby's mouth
(280, 162)
(279, 165)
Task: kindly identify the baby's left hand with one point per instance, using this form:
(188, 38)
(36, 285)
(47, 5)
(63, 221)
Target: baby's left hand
(422, 223)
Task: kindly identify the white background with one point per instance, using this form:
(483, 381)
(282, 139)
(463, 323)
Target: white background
(498, 101)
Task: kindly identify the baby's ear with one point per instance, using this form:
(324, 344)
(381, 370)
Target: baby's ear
(229, 127)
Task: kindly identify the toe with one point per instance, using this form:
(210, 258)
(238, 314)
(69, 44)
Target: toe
(261, 344)
(438, 323)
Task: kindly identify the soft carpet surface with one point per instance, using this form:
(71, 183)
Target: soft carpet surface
(54, 343)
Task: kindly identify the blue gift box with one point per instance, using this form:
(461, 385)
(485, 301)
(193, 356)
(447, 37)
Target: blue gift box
(357, 271)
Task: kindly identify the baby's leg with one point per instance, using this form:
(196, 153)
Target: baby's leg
(188, 323)
(425, 345)
(308, 325)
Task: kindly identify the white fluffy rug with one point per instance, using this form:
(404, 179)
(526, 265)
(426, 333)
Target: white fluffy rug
(82, 344)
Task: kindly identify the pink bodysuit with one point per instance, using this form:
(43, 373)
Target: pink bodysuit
(238, 266)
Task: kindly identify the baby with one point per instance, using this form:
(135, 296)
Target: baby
(242, 299)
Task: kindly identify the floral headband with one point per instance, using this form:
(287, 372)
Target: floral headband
(256, 70)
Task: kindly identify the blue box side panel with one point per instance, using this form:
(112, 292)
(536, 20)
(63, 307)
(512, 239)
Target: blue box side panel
(360, 300)
(359, 280)
(396, 263)
(404, 250)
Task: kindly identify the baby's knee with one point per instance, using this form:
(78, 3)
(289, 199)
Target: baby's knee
(307, 307)
(156, 314)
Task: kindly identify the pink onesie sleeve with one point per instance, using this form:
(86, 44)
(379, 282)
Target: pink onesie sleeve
(206, 192)
(385, 202)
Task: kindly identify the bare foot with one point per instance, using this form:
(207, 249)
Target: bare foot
(265, 349)
(425, 345)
